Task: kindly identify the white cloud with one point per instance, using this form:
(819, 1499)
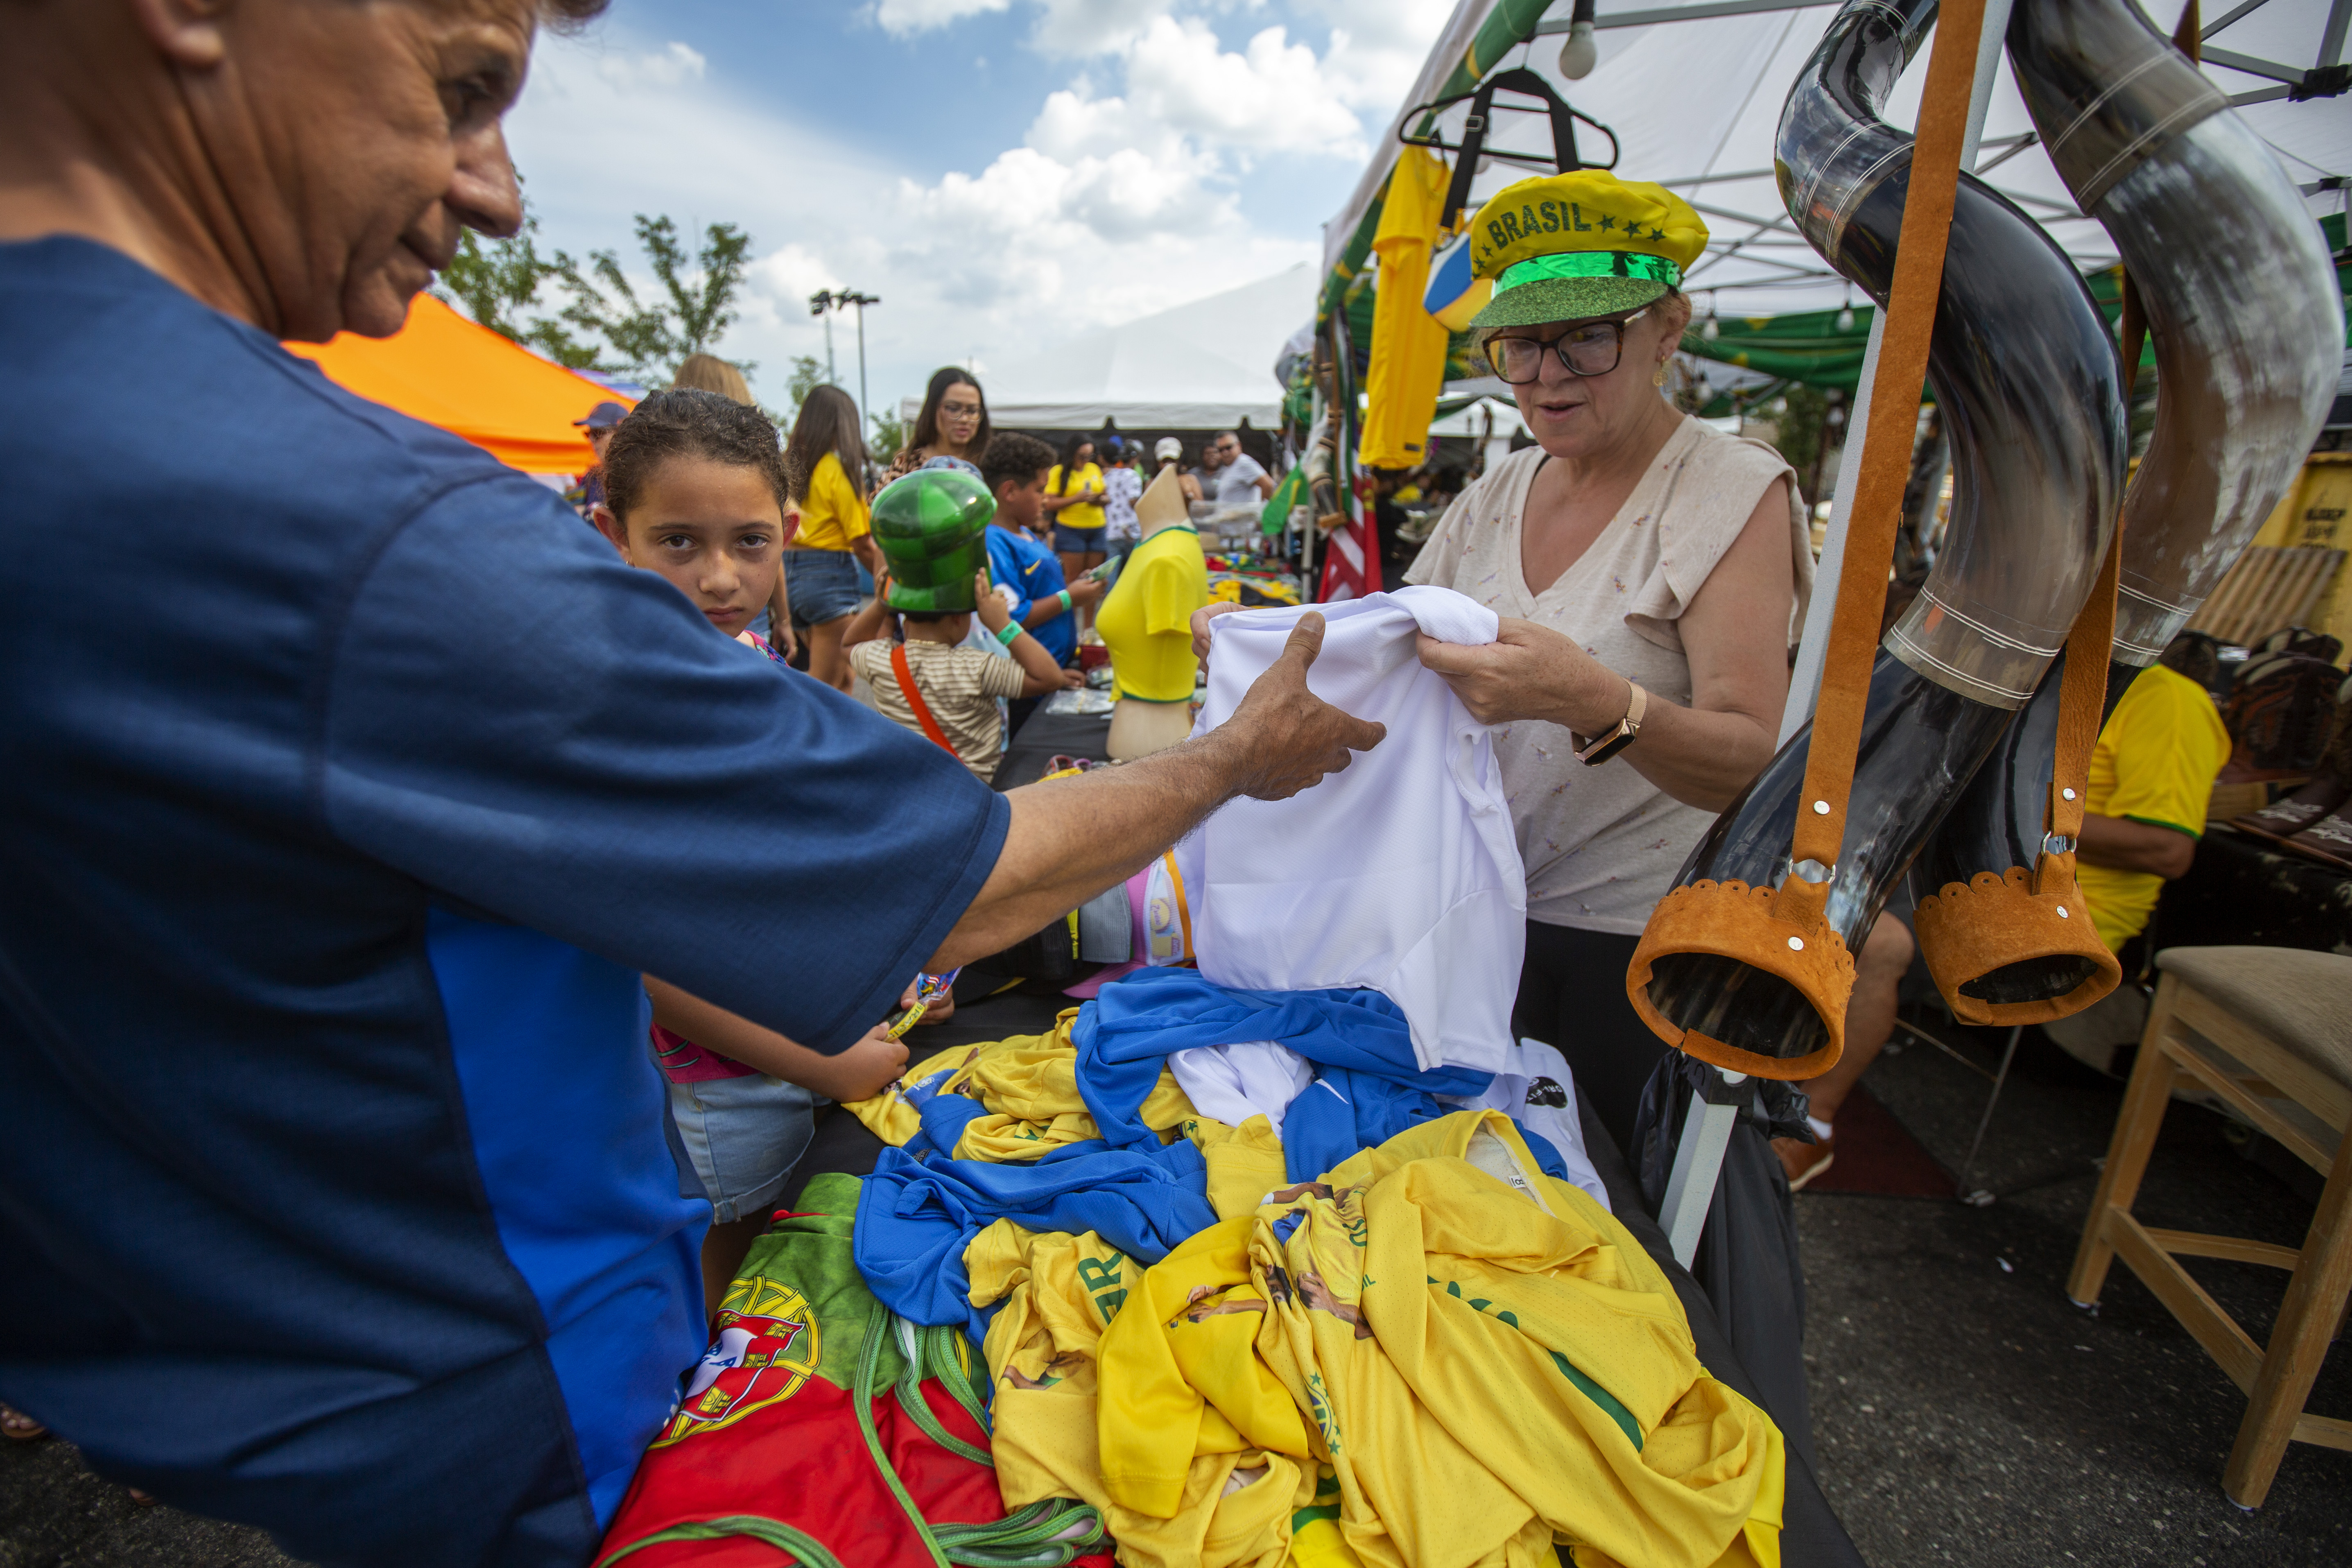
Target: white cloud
(673, 65)
(1108, 213)
(1272, 96)
(901, 18)
(1123, 197)
(1093, 27)
(1377, 49)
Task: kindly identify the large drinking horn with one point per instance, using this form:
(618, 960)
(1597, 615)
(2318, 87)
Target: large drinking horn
(2242, 301)
(2027, 374)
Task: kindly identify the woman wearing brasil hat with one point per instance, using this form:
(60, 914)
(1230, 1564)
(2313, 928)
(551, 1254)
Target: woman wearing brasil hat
(1650, 571)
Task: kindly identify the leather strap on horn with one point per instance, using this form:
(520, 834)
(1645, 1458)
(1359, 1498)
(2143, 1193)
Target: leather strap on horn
(1967, 932)
(1784, 933)
(1877, 509)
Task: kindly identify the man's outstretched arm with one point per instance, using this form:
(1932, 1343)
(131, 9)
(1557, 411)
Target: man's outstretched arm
(1073, 837)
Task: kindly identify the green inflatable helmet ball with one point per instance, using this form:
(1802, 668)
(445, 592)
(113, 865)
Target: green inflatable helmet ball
(932, 527)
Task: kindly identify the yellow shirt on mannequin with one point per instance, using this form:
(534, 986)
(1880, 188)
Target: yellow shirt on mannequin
(1145, 620)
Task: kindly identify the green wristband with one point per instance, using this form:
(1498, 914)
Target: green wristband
(1065, 596)
(1011, 633)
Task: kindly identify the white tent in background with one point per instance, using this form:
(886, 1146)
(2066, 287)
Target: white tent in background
(1693, 90)
(1465, 421)
(1208, 364)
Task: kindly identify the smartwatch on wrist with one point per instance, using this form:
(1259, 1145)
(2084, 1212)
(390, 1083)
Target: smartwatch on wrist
(1615, 740)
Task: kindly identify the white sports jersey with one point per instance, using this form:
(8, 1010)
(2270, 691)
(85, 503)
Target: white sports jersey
(1535, 1088)
(1234, 1083)
(1400, 873)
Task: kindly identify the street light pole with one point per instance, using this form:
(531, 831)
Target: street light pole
(825, 299)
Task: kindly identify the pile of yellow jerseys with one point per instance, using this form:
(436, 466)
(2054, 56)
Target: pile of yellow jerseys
(1435, 1357)
(1028, 1085)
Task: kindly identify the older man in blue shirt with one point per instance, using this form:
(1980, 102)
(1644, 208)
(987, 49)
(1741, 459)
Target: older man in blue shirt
(333, 1195)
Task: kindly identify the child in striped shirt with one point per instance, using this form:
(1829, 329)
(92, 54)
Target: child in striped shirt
(934, 684)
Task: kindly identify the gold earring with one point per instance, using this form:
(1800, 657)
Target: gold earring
(1660, 378)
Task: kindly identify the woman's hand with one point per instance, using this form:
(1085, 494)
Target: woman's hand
(1530, 672)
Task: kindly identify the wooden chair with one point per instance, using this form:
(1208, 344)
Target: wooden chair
(2268, 1029)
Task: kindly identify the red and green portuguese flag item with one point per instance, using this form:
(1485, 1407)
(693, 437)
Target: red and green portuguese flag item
(822, 1429)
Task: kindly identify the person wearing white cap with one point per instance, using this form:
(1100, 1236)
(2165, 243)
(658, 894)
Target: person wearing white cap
(1167, 454)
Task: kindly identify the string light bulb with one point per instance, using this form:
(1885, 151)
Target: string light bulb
(1845, 312)
(1578, 55)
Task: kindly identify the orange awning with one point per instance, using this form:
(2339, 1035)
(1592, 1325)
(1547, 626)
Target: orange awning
(467, 379)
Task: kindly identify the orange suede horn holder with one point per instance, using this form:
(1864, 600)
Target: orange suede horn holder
(1784, 933)
(1967, 932)
(1995, 919)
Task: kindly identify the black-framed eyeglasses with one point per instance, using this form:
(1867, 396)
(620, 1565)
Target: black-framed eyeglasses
(1593, 348)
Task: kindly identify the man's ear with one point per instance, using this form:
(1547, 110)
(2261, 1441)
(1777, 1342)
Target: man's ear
(187, 33)
(610, 527)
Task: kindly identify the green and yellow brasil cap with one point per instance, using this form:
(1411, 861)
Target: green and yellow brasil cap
(1565, 246)
(932, 526)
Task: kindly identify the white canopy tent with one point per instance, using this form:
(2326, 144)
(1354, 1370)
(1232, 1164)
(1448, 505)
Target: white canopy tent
(1204, 365)
(1693, 89)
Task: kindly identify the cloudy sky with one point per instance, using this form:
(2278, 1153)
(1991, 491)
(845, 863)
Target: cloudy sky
(1002, 172)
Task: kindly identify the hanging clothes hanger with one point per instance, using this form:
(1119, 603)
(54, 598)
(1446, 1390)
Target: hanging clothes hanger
(1520, 80)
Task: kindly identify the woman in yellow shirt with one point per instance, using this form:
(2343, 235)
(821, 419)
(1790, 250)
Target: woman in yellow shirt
(836, 532)
(1074, 497)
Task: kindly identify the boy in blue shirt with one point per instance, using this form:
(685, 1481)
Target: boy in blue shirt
(1014, 468)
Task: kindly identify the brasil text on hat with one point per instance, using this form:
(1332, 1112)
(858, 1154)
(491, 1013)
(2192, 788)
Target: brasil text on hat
(604, 417)
(1566, 247)
(932, 526)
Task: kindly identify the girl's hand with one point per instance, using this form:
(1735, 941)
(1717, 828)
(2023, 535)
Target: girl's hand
(1073, 679)
(867, 1069)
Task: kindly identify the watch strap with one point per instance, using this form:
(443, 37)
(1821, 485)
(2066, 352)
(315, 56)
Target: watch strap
(1623, 733)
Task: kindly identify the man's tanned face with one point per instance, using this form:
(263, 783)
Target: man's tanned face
(354, 140)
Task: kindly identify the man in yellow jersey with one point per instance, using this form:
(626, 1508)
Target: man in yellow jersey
(2151, 775)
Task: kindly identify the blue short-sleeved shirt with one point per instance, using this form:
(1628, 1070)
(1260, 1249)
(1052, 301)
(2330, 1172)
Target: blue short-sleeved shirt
(351, 784)
(1035, 573)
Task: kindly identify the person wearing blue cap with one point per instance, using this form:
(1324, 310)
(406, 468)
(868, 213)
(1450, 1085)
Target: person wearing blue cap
(599, 426)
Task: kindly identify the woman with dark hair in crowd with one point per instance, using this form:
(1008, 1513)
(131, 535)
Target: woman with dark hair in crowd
(836, 531)
(953, 428)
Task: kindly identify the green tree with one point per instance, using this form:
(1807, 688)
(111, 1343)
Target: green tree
(497, 282)
(889, 434)
(808, 374)
(602, 324)
(650, 339)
